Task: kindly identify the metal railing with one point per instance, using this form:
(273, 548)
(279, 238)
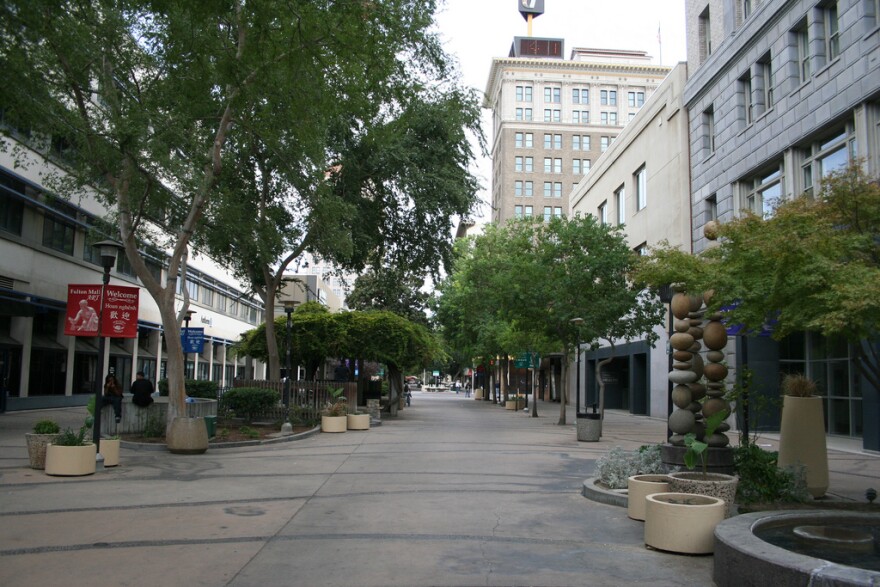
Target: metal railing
(307, 398)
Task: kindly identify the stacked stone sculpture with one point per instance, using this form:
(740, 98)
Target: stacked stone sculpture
(688, 370)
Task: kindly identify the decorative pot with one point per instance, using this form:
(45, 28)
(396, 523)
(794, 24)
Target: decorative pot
(510, 404)
(717, 485)
(70, 461)
(334, 423)
(357, 421)
(36, 445)
(638, 488)
(682, 522)
(802, 440)
(187, 436)
(110, 451)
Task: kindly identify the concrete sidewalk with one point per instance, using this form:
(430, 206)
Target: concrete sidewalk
(452, 492)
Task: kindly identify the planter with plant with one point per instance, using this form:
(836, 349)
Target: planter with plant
(109, 446)
(802, 432)
(358, 421)
(334, 415)
(71, 455)
(703, 482)
(44, 432)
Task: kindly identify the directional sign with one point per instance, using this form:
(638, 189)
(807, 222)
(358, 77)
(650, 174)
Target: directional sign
(192, 339)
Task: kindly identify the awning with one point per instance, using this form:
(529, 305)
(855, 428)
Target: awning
(45, 342)
(6, 340)
(85, 345)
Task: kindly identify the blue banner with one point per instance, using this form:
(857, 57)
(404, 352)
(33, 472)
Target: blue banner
(192, 339)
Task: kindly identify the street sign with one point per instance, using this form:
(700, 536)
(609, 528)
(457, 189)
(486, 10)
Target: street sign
(192, 339)
(527, 361)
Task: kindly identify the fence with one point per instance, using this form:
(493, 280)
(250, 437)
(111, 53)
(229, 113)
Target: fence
(307, 398)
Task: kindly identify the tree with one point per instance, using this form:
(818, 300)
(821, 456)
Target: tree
(160, 101)
(814, 265)
(392, 289)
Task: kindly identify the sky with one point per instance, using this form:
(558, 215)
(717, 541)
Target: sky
(476, 31)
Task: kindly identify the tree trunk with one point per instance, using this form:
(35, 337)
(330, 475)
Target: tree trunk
(534, 393)
(504, 371)
(563, 391)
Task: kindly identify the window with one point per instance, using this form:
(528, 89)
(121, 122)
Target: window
(59, 230)
(603, 213)
(631, 116)
(523, 93)
(548, 189)
(603, 143)
(557, 211)
(709, 129)
(712, 208)
(641, 182)
(872, 12)
(557, 165)
(518, 163)
(576, 143)
(603, 97)
(548, 115)
(612, 117)
(519, 140)
(192, 287)
(585, 165)
(557, 141)
(825, 156)
(518, 211)
(548, 213)
(548, 165)
(529, 164)
(207, 296)
(636, 99)
(580, 142)
(832, 32)
(524, 114)
(608, 97)
(801, 35)
(576, 166)
(580, 117)
(641, 250)
(704, 32)
(557, 189)
(746, 9)
(552, 95)
(529, 211)
(620, 204)
(557, 116)
(11, 207)
(580, 96)
(765, 71)
(528, 189)
(518, 188)
(548, 141)
(745, 98)
(603, 117)
(764, 192)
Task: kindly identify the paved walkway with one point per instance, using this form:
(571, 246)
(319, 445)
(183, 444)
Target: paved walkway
(453, 492)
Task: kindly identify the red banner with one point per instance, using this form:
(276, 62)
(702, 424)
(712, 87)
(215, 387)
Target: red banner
(119, 318)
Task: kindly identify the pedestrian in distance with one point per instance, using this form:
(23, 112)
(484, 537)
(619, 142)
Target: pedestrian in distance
(113, 396)
(141, 391)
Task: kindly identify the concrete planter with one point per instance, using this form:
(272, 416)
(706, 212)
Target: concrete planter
(70, 461)
(334, 423)
(187, 436)
(712, 484)
(110, 451)
(358, 421)
(36, 445)
(510, 404)
(589, 427)
(682, 522)
(802, 440)
(638, 488)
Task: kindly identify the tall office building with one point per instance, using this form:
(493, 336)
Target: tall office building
(553, 117)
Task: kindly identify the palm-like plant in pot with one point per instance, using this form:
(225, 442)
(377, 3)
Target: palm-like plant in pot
(802, 431)
(71, 454)
(334, 415)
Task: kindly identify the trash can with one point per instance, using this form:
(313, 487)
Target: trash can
(588, 427)
(211, 425)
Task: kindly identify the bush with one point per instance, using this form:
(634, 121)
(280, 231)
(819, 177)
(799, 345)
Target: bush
(762, 481)
(614, 468)
(154, 427)
(247, 402)
(46, 427)
(194, 388)
(71, 438)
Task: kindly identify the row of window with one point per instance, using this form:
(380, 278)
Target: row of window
(577, 116)
(640, 185)
(551, 165)
(62, 222)
(529, 211)
(553, 95)
(526, 140)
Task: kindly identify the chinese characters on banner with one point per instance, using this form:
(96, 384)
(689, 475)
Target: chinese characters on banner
(119, 317)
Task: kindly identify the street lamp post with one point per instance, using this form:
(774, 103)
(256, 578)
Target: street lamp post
(289, 307)
(577, 324)
(186, 319)
(108, 251)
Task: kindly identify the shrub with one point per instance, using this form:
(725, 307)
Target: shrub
(614, 468)
(154, 427)
(247, 402)
(71, 438)
(249, 432)
(194, 388)
(762, 481)
(46, 427)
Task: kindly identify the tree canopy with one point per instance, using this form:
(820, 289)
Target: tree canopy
(814, 265)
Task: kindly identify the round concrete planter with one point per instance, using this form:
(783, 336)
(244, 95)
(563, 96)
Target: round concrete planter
(802, 440)
(36, 445)
(682, 522)
(358, 421)
(334, 423)
(712, 484)
(187, 436)
(638, 487)
(110, 451)
(70, 461)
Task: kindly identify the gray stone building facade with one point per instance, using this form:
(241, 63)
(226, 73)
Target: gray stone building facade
(780, 93)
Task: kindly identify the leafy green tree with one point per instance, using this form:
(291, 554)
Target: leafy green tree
(393, 289)
(814, 265)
